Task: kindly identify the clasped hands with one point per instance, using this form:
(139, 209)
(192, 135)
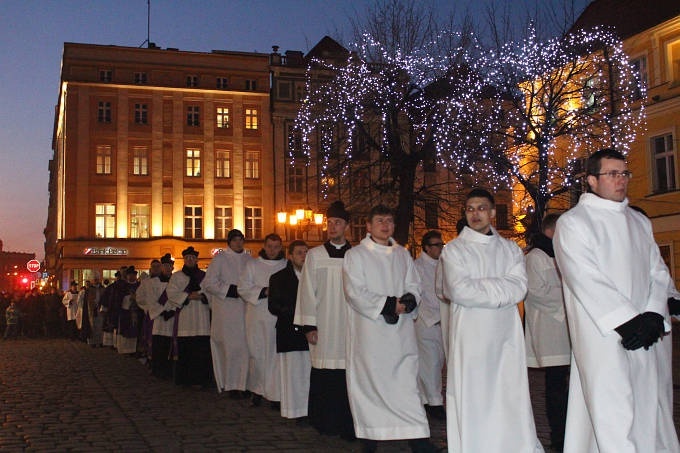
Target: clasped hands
(398, 306)
(642, 331)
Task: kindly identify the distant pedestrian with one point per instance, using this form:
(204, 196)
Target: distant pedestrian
(12, 321)
(70, 301)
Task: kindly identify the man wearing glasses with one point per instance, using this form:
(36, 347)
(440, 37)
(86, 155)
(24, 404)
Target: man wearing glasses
(615, 290)
(429, 329)
(488, 408)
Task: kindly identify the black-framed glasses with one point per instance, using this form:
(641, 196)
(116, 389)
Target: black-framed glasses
(616, 174)
(436, 244)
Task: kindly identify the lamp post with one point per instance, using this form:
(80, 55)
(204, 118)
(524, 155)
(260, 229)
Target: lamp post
(301, 221)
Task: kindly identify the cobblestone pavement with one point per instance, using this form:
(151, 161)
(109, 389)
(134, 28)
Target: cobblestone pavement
(59, 395)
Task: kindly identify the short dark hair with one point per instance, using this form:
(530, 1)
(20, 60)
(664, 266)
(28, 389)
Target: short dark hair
(380, 209)
(155, 261)
(429, 235)
(549, 221)
(273, 237)
(481, 193)
(594, 164)
(296, 243)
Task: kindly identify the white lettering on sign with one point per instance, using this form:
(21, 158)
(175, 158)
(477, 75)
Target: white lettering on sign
(109, 251)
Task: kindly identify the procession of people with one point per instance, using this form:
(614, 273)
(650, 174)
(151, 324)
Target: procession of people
(353, 339)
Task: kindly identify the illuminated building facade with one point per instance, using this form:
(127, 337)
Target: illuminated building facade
(154, 150)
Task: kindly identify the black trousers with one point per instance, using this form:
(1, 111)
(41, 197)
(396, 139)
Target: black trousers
(328, 406)
(556, 397)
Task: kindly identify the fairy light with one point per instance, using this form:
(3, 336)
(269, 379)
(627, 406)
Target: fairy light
(521, 114)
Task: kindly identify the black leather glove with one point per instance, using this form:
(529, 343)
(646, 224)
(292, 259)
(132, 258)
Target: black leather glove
(674, 306)
(629, 331)
(653, 328)
(389, 311)
(232, 291)
(168, 314)
(409, 301)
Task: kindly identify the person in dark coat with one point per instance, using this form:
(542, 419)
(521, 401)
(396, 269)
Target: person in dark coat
(291, 343)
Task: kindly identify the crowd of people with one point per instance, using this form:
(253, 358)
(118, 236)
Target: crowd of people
(353, 339)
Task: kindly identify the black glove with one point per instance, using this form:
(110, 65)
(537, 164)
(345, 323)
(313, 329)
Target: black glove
(389, 311)
(232, 291)
(409, 301)
(168, 314)
(674, 306)
(629, 332)
(653, 328)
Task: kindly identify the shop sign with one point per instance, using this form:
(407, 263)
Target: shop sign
(105, 251)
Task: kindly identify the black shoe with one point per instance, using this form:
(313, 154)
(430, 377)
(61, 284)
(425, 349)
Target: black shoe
(275, 405)
(256, 401)
(437, 412)
(302, 420)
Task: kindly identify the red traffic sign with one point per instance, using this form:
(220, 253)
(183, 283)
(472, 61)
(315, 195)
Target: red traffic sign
(33, 266)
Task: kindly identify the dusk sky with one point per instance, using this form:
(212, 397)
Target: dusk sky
(32, 35)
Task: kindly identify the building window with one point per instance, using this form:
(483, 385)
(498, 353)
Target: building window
(294, 142)
(193, 162)
(139, 78)
(673, 52)
(639, 66)
(296, 179)
(222, 164)
(502, 217)
(359, 228)
(192, 81)
(284, 91)
(104, 112)
(223, 221)
(222, 83)
(141, 114)
(663, 163)
(223, 119)
(140, 161)
(193, 222)
(251, 85)
(193, 115)
(103, 160)
(589, 99)
(251, 119)
(253, 222)
(105, 75)
(139, 221)
(252, 165)
(105, 220)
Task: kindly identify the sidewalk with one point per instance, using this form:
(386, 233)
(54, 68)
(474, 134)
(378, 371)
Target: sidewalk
(63, 395)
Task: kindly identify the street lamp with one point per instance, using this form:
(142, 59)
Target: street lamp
(301, 219)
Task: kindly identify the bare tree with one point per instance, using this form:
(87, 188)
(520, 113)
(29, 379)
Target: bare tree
(550, 103)
(372, 125)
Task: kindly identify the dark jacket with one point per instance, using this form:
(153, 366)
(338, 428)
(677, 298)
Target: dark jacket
(282, 294)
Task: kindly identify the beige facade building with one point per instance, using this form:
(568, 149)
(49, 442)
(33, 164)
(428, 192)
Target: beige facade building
(154, 150)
